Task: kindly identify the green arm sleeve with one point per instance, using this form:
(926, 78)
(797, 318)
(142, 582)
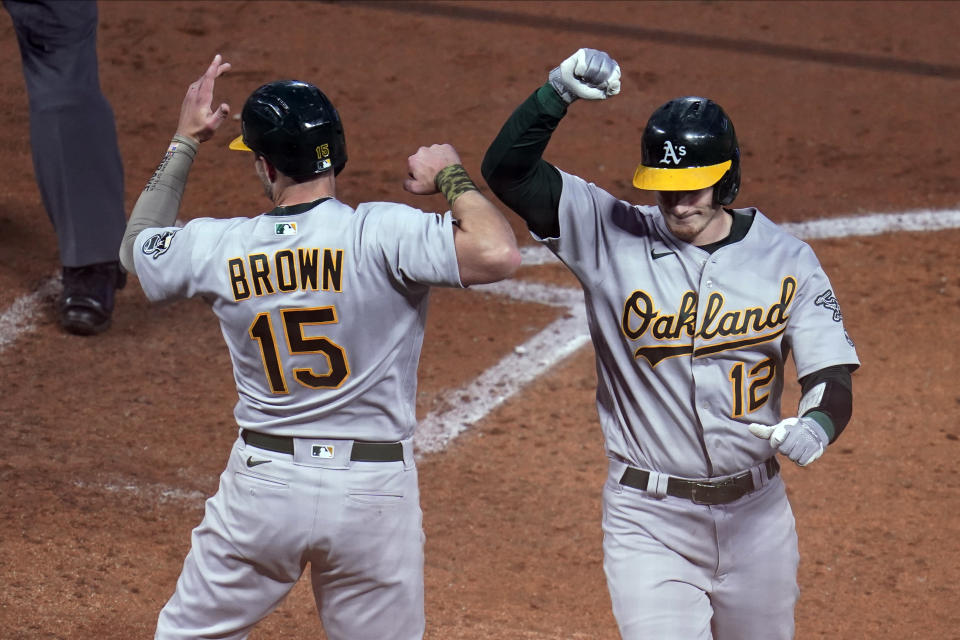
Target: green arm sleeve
(515, 170)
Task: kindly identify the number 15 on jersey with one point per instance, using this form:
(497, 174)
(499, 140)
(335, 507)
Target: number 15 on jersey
(293, 322)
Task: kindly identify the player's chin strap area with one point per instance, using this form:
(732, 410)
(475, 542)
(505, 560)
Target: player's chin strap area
(708, 492)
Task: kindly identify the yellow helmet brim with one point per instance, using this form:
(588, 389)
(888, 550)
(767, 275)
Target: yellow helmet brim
(689, 179)
(237, 144)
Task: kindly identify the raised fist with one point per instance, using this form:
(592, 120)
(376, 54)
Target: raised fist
(589, 74)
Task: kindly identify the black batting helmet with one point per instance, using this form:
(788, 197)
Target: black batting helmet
(294, 126)
(689, 144)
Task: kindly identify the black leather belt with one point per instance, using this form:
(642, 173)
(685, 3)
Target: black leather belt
(709, 492)
(361, 451)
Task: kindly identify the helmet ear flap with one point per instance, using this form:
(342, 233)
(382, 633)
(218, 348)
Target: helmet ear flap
(340, 147)
(727, 187)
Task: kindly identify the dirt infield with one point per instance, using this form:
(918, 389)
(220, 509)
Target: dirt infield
(111, 444)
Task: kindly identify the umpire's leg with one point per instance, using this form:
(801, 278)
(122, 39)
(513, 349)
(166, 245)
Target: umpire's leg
(72, 131)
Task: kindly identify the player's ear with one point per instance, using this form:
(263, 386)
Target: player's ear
(264, 165)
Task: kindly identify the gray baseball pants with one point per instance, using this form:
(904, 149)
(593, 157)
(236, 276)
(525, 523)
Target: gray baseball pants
(677, 570)
(357, 524)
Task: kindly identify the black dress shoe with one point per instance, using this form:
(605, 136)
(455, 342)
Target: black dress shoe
(86, 304)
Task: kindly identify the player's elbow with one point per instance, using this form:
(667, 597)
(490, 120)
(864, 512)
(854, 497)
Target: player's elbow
(501, 261)
(505, 261)
(491, 263)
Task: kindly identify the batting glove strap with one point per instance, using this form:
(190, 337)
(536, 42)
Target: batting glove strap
(802, 440)
(589, 74)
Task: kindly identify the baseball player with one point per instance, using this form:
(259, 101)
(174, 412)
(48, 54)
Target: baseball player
(76, 158)
(693, 307)
(322, 307)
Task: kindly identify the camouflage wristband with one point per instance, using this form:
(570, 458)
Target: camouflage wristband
(453, 182)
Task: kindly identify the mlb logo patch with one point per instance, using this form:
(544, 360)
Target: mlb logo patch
(285, 229)
(322, 451)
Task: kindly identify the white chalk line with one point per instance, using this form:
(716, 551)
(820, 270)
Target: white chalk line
(875, 224)
(21, 316)
(154, 493)
(494, 386)
(555, 342)
(872, 224)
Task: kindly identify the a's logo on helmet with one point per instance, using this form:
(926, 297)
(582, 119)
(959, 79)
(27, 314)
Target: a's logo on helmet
(671, 154)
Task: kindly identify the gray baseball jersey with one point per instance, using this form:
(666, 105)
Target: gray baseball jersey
(691, 345)
(322, 308)
(690, 349)
(322, 311)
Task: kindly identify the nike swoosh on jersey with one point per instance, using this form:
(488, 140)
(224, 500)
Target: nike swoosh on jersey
(657, 256)
(252, 463)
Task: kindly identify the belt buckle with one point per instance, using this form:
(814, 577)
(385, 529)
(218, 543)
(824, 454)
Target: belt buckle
(709, 488)
(696, 488)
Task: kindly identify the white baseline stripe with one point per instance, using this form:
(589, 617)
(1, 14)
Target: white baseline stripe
(875, 224)
(153, 492)
(534, 292)
(21, 316)
(847, 226)
(498, 383)
(558, 340)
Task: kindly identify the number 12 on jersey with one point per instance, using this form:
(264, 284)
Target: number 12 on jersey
(750, 391)
(294, 320)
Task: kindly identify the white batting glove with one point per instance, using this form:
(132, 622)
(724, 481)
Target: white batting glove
(589, 74)
(800, 439)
